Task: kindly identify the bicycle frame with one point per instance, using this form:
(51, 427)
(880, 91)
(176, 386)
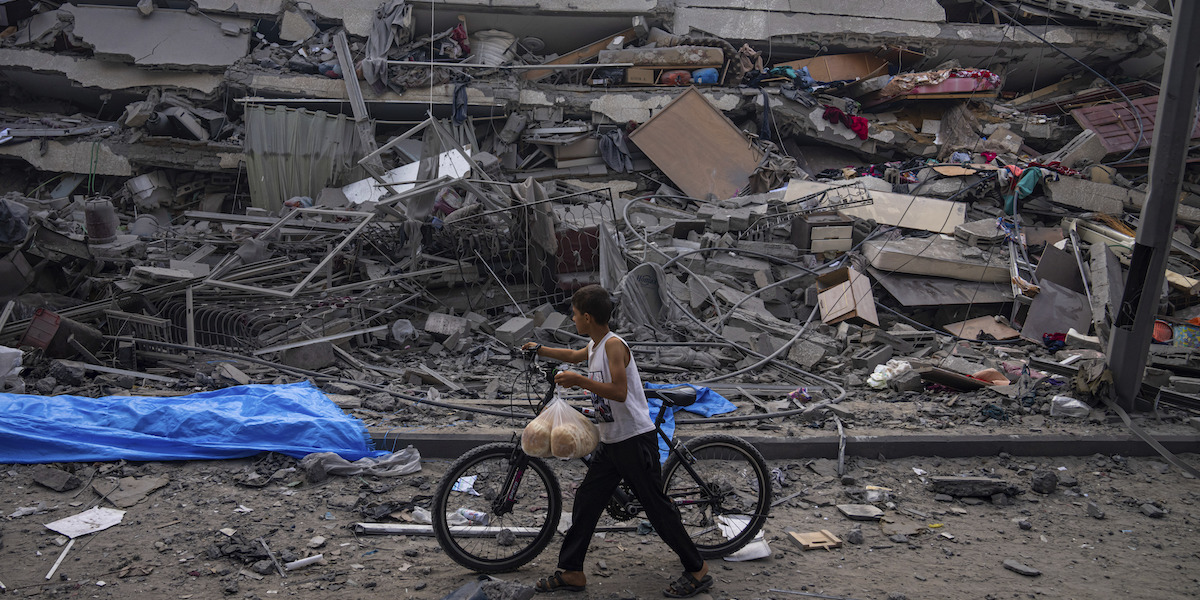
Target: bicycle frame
(504, 503)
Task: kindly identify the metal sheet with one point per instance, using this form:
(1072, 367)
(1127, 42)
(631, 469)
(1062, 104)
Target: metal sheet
(1117, 127)
(1055, 310)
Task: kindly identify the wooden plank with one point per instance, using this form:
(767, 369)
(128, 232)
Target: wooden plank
(698, 147)
(580, 55)
(823, 539)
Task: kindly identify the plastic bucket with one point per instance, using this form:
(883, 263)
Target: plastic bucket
(101, 221)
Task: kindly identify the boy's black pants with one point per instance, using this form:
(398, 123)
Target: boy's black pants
(636, 461)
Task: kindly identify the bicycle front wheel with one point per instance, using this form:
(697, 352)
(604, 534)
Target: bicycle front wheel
(724, 499)
(496, 508)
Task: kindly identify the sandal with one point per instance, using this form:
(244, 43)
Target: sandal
(687, 586)
(554, 583)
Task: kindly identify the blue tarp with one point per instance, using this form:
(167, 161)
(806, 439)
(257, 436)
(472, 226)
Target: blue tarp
(293, 419)
(708, 403)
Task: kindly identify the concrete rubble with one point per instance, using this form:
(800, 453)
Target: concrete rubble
(909, 208)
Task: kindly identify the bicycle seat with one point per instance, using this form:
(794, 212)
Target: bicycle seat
(678, 396)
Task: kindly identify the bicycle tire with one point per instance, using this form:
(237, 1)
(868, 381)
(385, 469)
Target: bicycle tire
(738, 473)
(534, 517)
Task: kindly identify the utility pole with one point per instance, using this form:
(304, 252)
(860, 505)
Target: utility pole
(1129, 344)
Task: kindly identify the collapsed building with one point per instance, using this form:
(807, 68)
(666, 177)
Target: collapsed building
(402, 191)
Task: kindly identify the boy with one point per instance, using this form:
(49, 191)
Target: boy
(628, 450)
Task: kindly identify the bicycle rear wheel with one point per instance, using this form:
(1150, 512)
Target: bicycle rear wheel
(493, 535)
(727, 506)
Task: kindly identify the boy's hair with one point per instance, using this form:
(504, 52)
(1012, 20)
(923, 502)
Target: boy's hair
(593, 300)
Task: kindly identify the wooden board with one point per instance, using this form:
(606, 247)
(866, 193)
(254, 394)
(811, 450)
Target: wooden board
(951, 379)
(813, 541)
(962, 170)
(579, 56)
(988, 325)
(839, 67)
(698, 147)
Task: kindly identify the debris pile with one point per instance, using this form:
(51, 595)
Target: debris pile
(393, 209)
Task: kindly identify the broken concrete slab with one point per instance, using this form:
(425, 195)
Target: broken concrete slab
(55, 479)
(1092, 196)
(902, 210)
(166, 38)
(686, 57)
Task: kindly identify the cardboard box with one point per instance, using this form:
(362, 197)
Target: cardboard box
(639, 76)
(838, 67)
(846, 294)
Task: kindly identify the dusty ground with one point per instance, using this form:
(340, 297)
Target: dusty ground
(168, 544)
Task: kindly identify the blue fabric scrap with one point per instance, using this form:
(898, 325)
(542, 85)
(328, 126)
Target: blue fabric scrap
(708, 403)
(294, 419)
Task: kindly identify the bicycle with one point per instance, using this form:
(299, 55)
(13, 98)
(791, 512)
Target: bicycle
(497, 508)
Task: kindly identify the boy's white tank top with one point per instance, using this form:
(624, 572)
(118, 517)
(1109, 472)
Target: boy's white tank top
(618, 421)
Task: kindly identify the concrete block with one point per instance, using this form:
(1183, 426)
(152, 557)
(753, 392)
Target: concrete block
(806, 354)
(764, 278)
(137, 113)
(1085, 149)
(908, 381)
(515, 331)
(442, 326)
(1004, 141)
(869, 358)
(1186, 385)
(479, 322)
(719, 223)
(739, 219)
(312, 357)
(555, 320)
(1090, 195)
(540, 313)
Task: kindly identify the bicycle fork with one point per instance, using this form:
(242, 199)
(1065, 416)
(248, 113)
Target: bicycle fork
(503, 504)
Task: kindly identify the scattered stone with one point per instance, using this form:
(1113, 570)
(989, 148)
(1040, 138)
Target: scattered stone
(972, 501)
(1044, 483)
(1153, 511)
(860, 512)
(944, 498)
(1001, 499)
(1017, 567)
(1024, 525)
(1094, 510)
(55, 479)
(506, 537)
(316, 542)
(979, 487)
(855, 536)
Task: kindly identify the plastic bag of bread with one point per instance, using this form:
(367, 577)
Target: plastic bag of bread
(560, 431)
(535, 439)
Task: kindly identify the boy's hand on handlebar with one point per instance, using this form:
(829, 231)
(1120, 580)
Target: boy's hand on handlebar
(569, 379)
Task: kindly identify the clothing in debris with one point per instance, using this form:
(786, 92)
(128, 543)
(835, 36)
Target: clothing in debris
(858, 125)
(615, 151)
